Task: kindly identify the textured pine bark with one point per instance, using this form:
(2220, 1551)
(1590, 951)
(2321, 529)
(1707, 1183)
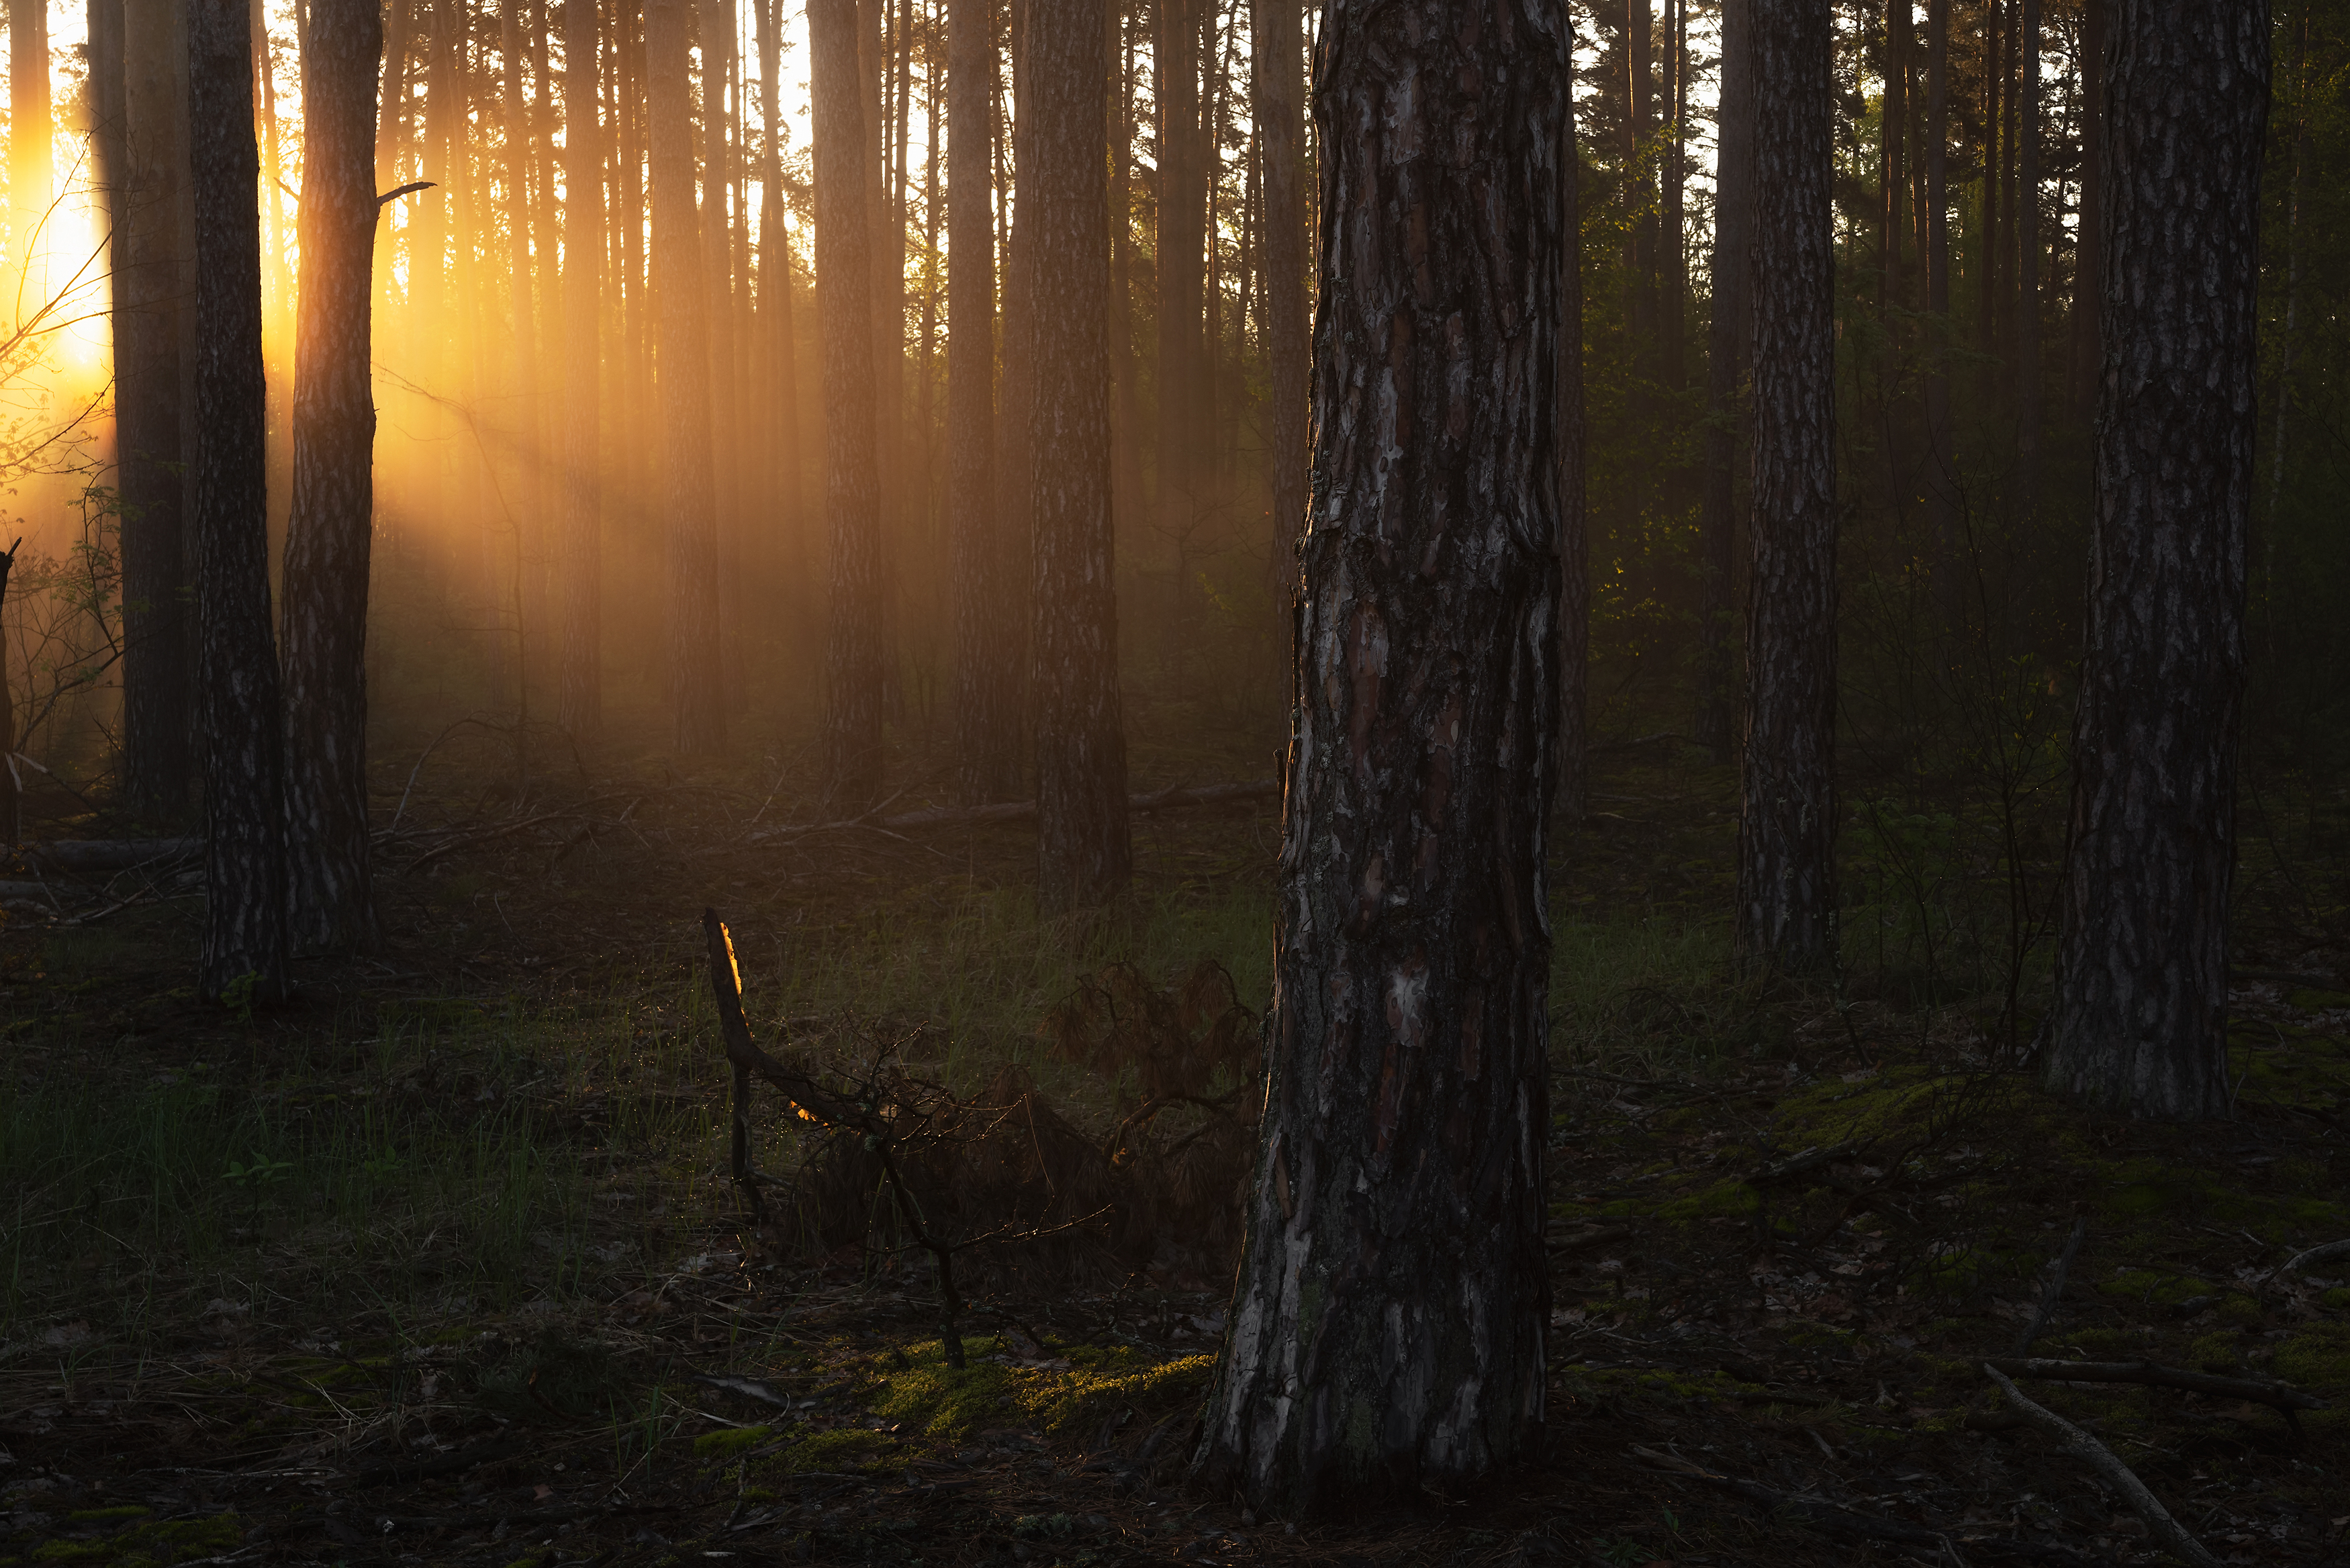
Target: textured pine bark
(1182, 236)
(697, 694)
(2139, 1018)
(1787, 840)
(987, 720)
(1731, 338)
(330, 897)
(853, 651)
(236, 676)
(1016, 382)
(1084, 853)
(1276, 62)
(1387, 1323)
(578, 557)
(151, 256)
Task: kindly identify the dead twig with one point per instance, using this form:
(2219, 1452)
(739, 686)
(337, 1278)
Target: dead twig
(2260, 1391)
(2172, 1535)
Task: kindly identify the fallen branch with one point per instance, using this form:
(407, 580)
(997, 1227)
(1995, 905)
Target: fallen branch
(1802, 1164)
(2284, 1396)
(2055, 1291)
(2328, 1253)
(1016, 811)
(110, 854)
(2168, 1532)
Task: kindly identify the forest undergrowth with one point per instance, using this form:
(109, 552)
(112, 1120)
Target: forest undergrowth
(442, 1263)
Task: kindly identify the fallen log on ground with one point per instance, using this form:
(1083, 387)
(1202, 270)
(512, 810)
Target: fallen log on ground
(1018, 811)
(2168, 1533)
(2259, 1390)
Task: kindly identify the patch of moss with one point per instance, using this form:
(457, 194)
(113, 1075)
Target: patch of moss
(1732, 1199)
(731, 1442)
(2220, 1353)
(850, 1450)
(146, 1543)
(2146, 1287)
(1085, 1395)
(2335, 1300)
(2317, 1358)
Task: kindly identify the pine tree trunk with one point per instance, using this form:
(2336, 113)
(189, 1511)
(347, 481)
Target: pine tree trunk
(1275, 60)
(987, 722)
(237, 676)
(1084, 856)
(1987, 251)
(2138, 1022)
(2027, 271)
(1671, 272)
(697, 694)
(791, 554)
(843, 275)
(1895, 118)
(580, 565)
(717, 42)
(1729, 338)
(1388, 1320)
(515, 170)
(1941, 458)
(152, 249)
(2088, 255)
(32, 130)
(1014, 388)
(1572, 748)
(1175, 65)
(331, 902)
(1786, 869)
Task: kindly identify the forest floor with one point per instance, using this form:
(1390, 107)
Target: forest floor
(439, 1261)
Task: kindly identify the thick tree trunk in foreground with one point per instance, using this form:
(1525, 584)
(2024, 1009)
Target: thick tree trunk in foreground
(697, 694)
(1288, 334)
(236, 676)
(2139, 1020)
(151, 283)
(1730, 337)
(331, 903)
(1787, 840)
(579, 567)
(1084, 853)
(1389, 1317)
(844, 277)
(987, 718)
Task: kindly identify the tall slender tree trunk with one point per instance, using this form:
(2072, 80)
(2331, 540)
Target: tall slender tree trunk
(1672, 270)
(152, 255)
(1084, 856)
(1182, 197)
(844, 279)
(2088, 255)
(1640, 243)
(1288, 335)
(579, 562)
(2027, 268)
(1729, 338)
(1941, 458)
(515, 170)
(31, 132)
(697, 694)
(791, 556)
(273, 174)
(987, 721)
(1987, 250)
(717, 175)
(331, 903)
(1786, 841)
(1899, 27)
(2138, 1022)
(2296, 196)
(885, 319)
(237, 676)
(1572, 749)
(1388, 1318)
(1015, 519)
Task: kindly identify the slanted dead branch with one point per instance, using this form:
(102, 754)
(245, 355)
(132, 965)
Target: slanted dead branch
(2172, 1535)
(2259, 1391)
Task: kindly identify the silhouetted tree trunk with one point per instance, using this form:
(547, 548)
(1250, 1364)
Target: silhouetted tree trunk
(1275, 58)
(1899, 20)
(331, 904)
(843, 275)
(1987, 256)
(1572, 749)
(2027, 267)
(987, 719)
(1671, 268)
(1786, 841)
(1388, 1318)
(1941, 458)
(32, 182)
(2088, 255)
(579, 567)
(1183, 200)
(696, 692)
(237, 677)
(1084, 856)
(150, 395)
(2138, 1023)
(1728, 338)
(792, 553)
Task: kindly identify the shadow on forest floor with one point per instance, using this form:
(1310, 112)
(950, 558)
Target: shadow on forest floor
(440, 1262)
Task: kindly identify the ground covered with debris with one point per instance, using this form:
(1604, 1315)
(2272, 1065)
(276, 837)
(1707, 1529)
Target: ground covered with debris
(445, 1261)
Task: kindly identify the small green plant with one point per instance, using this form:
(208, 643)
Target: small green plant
(262, 1172)
(1623, 1554)
(237, 995)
